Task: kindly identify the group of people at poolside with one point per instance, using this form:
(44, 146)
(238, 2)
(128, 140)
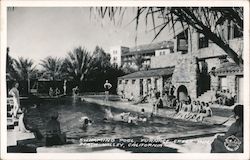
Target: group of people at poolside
(55, 92)
(224, 97)
(195, 110)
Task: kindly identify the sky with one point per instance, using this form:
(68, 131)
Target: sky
(38, 32)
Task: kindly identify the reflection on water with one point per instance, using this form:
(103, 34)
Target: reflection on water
(71, 110)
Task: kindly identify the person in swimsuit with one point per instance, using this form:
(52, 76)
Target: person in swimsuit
(181, 110)
(53, 131)
(188, 111)
(51, 92)
(57, 92)
(194, 112)
(157, 104)
(142, 116)
(85, 121)
(25, 127)
(14, 92)
(21, 125)
(107, 86)
(201, 113)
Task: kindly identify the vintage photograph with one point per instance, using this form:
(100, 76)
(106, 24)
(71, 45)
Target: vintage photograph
(122, 79)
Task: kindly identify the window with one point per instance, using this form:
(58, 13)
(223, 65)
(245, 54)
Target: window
(115, 58)
(203, 41)
(149, 81)
(120, 81)
(126, 81)
(133, 81)
(182, 41)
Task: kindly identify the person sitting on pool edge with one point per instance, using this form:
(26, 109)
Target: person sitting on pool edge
(182, 110)
(25, 127)
(53, 131)
(205, 112)
(234, 135)
(194, 112)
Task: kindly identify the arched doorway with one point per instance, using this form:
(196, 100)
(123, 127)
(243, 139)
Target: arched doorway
(182, 93)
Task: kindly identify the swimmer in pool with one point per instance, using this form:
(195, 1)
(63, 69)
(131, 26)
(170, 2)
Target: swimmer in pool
(142, 116)
(85, 121)
(122, 117)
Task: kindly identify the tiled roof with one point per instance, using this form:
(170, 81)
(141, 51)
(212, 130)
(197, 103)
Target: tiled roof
(150, 73)
(229, 67)
(153, 46)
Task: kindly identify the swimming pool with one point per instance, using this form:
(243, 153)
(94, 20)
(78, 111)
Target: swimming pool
(70, 111)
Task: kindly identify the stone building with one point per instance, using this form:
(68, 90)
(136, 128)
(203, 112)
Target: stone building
(200, 66)
(144, 82)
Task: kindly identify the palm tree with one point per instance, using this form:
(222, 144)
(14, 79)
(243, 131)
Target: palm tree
(10, 72)
(78, 64)
(24, 68)
(101, 59)
(52, 68)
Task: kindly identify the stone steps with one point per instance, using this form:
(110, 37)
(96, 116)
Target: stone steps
(206, 96)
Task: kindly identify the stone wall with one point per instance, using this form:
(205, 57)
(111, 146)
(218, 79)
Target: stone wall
(214, 83)
(185, 74)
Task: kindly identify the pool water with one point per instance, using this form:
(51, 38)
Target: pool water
(70, 111)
